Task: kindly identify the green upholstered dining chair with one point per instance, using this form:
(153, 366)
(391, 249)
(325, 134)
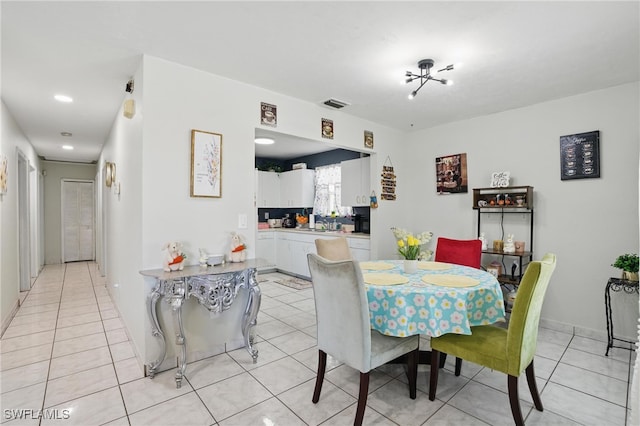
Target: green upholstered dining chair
(334, 248)
(510, 351)
(460, 252)
(344, 329)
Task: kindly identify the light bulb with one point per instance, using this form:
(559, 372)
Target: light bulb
(449, 83)
(413, 94)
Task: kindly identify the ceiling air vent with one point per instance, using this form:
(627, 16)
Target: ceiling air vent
(334, 103)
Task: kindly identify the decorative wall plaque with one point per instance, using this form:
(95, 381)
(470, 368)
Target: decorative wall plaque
(268, 114)
(327, 128)
(368, 139)
(580, 156)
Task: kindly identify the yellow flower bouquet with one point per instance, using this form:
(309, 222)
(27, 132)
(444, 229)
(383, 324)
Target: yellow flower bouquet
(410, 246)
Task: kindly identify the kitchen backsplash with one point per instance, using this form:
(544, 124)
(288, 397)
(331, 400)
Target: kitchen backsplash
(279, 213)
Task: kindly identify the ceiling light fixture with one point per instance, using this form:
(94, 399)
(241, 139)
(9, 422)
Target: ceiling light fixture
(63, 98)
(67, 134)
(426, 74)
(67, 147)
(264, 141)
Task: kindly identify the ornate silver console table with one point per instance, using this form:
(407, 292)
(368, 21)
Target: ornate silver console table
(215, 288)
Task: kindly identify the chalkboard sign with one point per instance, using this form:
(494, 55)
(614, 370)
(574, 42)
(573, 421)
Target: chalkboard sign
(580, 156)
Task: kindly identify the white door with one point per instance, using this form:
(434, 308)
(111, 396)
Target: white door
(77, 221)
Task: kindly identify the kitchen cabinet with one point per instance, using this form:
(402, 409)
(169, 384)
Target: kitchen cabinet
(355, 182)
(297, 188)
(360, 249)
(268, 194)
(292, 249)
(266, 249)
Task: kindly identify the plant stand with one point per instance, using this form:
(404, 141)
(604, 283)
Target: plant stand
(616, 285)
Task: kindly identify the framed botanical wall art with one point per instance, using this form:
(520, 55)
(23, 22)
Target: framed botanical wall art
(206, 164)
(451, 174)
(580, 156)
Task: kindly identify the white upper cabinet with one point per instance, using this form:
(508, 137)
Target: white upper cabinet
(297, 188)
(268, 189)
(355, 182)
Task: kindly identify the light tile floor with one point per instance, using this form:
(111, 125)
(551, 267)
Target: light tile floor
(66, 349)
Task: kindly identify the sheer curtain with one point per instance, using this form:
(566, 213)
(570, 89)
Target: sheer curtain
(328, 192)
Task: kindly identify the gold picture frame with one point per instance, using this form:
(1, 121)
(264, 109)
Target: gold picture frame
(206, 164)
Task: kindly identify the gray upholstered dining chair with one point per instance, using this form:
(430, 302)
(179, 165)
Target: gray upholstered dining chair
(334, 248)
(510, 351)
(344, 331)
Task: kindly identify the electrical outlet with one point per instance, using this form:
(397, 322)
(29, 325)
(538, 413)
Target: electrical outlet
(266, 215)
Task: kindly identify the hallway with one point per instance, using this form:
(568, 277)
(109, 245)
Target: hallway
(66, 354)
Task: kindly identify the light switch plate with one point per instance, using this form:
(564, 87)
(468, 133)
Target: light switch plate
(242, 221)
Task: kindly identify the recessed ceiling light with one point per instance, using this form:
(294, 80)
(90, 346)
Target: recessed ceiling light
(66, 134)
(264, 141)
(67, 147)
(63, 98)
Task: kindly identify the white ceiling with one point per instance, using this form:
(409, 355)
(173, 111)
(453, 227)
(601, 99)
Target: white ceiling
(515, 54)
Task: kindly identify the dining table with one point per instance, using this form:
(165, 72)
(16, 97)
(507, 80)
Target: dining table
(436, 299)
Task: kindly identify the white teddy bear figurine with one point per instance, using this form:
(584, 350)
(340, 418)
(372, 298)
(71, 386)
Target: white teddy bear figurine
(509, 246)
(174, 258)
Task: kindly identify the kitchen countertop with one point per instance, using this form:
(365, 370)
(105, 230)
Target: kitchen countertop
(312, 232)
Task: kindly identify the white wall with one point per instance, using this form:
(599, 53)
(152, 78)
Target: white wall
(55, 172)
(586, 222)
(13, 139)
(152, 153)
(123, 217)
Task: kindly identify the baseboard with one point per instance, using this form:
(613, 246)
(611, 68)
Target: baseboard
(6, 321)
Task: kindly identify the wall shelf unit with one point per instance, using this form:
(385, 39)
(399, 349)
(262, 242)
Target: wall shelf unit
(505, 201)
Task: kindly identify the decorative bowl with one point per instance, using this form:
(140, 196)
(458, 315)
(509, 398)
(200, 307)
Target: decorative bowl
(215, 259)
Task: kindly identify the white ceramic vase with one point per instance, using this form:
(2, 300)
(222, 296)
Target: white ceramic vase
(410, 266)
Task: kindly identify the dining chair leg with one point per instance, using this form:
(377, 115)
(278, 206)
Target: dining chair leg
(433, 375)
(512, 384)
(533, 387)
(458, 366)
(362, 398)
(412, 372)
(322, 365)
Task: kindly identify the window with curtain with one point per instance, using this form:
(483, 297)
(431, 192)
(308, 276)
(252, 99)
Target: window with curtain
(328, 192)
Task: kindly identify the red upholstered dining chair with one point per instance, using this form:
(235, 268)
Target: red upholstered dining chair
(460, 252)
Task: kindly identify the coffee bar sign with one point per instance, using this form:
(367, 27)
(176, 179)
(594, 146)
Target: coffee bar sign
(268, 114)
(580, 156)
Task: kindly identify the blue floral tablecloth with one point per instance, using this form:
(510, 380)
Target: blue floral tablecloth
(421, 308)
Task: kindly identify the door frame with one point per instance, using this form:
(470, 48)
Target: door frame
(24, 222)
(62, 182)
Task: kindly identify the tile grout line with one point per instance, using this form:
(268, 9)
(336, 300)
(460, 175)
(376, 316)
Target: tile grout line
(55, 330)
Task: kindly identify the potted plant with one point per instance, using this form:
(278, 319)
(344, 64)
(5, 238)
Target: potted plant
(629, 265)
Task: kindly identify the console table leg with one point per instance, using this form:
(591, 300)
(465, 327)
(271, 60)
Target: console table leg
(180, 341)
(156, 331)
(250, 315)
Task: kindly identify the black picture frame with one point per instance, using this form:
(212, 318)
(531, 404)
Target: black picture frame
(580, 156)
